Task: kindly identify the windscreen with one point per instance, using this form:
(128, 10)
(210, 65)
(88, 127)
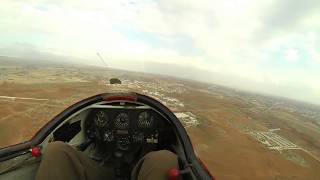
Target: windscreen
(242, 76)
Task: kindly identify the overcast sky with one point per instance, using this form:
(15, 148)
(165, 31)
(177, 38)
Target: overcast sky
(270, 46)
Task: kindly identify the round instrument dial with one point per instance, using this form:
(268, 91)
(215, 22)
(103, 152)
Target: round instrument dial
(122, 121)
(123, 143)
(145, 120)
(108, 136)
(101, 119)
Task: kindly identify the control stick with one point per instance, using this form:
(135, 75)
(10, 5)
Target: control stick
(118, 156)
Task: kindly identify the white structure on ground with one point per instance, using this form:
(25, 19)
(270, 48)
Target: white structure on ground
(188, 119)
(273, 140)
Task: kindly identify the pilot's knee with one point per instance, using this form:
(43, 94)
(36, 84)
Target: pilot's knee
(164, 153)
(57, 147)
(163, 156)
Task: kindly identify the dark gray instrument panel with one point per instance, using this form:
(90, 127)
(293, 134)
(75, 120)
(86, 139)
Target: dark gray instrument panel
(124, 127)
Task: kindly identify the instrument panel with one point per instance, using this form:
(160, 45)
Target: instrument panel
(123, 127)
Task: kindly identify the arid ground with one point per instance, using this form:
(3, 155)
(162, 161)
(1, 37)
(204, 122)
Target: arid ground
(225, 117)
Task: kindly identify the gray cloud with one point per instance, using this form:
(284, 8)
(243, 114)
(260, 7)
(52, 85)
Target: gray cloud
(26, 51)
(288, 13)
(285, 16)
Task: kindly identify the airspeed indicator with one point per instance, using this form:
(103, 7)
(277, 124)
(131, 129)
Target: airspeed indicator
(145, 120)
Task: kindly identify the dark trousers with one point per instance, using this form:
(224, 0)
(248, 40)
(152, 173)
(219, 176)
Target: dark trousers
(62, 162)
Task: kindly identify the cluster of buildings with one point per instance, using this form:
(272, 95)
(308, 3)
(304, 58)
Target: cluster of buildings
(158, 86)
(187, 119)
(167, 101)
(155, 90)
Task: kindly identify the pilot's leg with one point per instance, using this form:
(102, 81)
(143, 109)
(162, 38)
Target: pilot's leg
(155, 166)
(61, 161)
